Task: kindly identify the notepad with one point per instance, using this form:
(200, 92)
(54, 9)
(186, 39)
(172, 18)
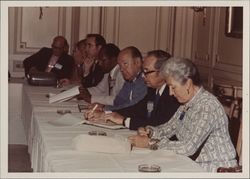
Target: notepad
(103, 124)
(68, 120)
(65, 95)
(78, 119)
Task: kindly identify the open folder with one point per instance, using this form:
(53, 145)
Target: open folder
(78, 119)
(65, 95)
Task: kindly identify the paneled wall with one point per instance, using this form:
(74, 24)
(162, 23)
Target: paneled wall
(144, 27)
(31, 28)
(218, 57)
(178, 30)
(228, 54)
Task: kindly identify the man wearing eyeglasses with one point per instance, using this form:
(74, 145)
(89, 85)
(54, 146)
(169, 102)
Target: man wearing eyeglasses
(158, 106)
(54, 60)
(133, 89)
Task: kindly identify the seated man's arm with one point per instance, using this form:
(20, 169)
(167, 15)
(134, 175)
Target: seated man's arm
(31, 62)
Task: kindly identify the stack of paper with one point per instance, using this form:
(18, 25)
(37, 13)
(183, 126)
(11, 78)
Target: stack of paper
(65, 95)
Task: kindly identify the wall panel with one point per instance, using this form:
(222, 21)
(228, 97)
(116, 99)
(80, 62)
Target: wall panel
(31, 28)
(228, 54)
(147, 28)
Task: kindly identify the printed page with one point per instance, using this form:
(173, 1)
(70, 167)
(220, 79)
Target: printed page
(65, 95)
(103, 124)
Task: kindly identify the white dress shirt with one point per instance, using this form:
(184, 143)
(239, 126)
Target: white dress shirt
(100, 93)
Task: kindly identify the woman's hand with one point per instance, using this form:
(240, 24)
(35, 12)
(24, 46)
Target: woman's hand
(139, 141)
(143, 131)
(114, 117)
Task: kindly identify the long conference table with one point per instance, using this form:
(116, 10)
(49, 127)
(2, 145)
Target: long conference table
(50, 147)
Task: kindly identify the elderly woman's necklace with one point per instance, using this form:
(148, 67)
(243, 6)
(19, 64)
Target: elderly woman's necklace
(187, 106)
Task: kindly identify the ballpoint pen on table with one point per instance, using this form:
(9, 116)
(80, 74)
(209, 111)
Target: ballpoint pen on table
(94, 108)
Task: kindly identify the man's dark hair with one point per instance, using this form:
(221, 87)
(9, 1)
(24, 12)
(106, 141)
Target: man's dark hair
(99, 39)
(161, 57)
(81, 42)
(110, 50)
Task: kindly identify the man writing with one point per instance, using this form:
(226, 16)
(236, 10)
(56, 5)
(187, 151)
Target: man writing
(157, 107)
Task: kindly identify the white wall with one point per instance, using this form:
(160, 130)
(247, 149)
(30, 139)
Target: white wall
(16, 133)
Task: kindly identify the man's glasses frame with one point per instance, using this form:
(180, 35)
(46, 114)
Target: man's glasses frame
(145, 73)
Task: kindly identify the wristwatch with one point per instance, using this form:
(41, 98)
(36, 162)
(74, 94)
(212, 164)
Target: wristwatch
(153, 144)
(150, 134)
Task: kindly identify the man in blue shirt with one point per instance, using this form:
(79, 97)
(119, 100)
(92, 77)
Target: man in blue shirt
(134, 88)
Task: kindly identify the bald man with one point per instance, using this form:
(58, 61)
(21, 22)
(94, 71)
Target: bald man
(54, 60)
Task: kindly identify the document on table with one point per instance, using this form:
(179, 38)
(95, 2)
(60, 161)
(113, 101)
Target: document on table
(65, 95)
(78, 119)
(103, 124)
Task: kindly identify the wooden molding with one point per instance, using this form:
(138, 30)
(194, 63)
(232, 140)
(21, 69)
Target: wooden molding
(26, 45)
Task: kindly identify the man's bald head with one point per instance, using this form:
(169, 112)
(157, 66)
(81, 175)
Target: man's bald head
(59, 45)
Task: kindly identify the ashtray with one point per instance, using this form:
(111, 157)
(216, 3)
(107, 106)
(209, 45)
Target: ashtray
(59, 111)
(101, 133)
(149, 168)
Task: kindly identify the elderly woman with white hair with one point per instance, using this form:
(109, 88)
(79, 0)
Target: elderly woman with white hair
(198, 129)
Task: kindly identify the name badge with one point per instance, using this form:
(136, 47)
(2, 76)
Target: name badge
(150, 107)
(58, 66)
(112, 83)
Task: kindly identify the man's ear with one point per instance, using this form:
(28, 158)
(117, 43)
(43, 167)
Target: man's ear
(138, 62)
(98, 48)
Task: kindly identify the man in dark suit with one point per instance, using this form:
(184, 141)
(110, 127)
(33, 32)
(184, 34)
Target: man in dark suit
(55, 60)
(158, 106)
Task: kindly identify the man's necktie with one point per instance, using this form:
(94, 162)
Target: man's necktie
(156, 99)
(110, 84)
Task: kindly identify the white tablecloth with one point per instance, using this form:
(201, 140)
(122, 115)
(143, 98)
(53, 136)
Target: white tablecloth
(51, 148)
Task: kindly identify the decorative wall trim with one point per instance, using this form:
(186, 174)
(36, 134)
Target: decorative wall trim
(111, 23)
(23, 45)
(228, 68)
(219, 61)
(90, 21)
(157, 28)
(221, 69)
(183, 32)
(75, 19)
(117, 25)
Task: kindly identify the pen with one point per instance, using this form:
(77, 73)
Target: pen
(92, 111)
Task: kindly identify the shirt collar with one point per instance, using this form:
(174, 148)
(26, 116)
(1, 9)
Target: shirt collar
(161, 89)
(113, 71)
(137, 76)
